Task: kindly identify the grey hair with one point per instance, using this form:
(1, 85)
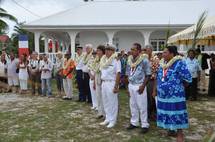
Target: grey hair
(149, 46)
(89, 45)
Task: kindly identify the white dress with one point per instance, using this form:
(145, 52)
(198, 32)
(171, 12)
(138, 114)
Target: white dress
(23, 73)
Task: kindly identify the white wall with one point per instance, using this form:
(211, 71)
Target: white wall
(94, 38)
(125, 39)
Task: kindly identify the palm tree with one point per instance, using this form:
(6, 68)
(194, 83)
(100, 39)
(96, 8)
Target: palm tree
(5, 15)
(198, 28)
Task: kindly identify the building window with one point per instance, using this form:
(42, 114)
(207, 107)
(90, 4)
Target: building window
(158, 44)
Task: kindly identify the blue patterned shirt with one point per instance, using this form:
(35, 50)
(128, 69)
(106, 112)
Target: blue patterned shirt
(193, 66)
(137, 76)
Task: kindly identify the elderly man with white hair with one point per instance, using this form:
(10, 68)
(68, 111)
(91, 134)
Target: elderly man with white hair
(33, 67)
(86, 76)
(110, 68)
(154, 61)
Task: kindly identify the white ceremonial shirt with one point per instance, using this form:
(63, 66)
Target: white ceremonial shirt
(46, 65)
(109, 73)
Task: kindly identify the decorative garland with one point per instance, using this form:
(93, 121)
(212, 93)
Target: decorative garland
(137, 62)
(95, 64)
(87, 57)
(65, 66)
(170, 63)
(78, 58)
(105, 62)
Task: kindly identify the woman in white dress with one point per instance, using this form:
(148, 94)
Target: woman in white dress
(23, 73)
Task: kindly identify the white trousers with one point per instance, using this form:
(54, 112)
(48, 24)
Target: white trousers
(110, 101)
(101, 110)
(67, 86)
(93, 94)
(138, 106)
(23, 84)
(13, 81)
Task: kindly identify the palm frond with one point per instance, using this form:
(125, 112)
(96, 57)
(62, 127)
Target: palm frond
(7, 16)
(198, 28)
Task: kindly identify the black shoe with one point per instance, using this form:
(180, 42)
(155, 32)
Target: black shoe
(100, 117)
(172, 133)
(144, 130)
(131, 127)
(67, 98)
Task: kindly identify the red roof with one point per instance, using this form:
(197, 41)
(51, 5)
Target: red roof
(4, 38)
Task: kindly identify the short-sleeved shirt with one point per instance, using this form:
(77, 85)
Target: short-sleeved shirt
(33, 65)
(79, 64)
(193, 66)
(137, 75)
(109, 73)
(46, 65)
(68, 66)
(12, 67)
(58, 66)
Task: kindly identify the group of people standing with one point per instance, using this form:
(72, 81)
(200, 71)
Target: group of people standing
(157, 86)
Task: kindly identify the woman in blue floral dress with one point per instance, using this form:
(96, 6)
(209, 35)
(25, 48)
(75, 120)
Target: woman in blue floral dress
(172, 75)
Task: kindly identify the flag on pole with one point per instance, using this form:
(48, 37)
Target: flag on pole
(23, 45)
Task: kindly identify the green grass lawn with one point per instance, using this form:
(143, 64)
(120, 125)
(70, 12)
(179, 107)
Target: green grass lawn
(25, 118)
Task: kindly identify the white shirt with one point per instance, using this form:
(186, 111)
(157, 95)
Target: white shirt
(46, 65)
(80, 65)
(34, 65)
(111, 71)
(11, 68)
(3, 66)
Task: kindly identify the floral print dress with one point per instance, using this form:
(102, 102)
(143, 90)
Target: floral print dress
(171, 106)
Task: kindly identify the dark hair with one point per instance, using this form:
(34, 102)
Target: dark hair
(198, 50)
(172, 49)
(138, 46)
(79, 47)
(102, 48)
(192, 50)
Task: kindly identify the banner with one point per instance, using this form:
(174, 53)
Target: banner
(23, 45)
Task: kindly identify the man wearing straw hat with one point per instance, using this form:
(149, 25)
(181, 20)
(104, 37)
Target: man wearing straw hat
(110, 75)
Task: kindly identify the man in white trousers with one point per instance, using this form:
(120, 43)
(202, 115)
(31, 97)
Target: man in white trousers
(110, 75)
(138, 72)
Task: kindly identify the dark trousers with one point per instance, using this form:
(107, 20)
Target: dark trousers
(211, 87)
(59, 81)
(35, 81)
(79, 79)
(151, 101)
(191, 89)
(86, 87)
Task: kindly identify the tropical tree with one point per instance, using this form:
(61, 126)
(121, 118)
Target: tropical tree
(18, 30)
(3, 24)
(198, 28)
(3, 16)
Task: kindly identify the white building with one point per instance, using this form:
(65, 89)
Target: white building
(120, 23)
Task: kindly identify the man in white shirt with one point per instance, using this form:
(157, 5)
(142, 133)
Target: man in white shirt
(79, 73)
(12, 72)
(86, 77)
(110, 68)
(46, 75)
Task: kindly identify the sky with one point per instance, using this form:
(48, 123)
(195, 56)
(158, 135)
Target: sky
(43, 8)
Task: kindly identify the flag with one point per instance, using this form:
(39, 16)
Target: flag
(23, 45)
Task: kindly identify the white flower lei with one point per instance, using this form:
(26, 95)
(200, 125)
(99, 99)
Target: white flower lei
(170, 63)
(87, 57)
(137, 62)
(105, 62)
(78, 58)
